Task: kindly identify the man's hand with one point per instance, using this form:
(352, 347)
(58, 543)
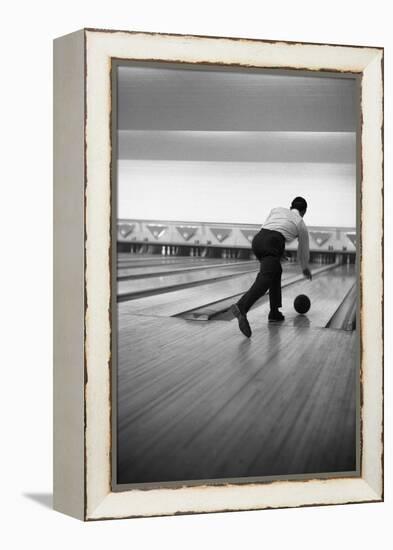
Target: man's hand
(307, 274)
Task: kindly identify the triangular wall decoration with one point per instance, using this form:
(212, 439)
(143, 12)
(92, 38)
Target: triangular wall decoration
(221, 233)
(187, 231)
(249, 234)
(157, 230)
(352, 238)
(320, 237)
(125, 229)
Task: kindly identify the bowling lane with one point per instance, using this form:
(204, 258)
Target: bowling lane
(271, 405)
(130, 289)
(136, 272)
(219, 310)
(176, 302)
(326, 292)
(185, 260)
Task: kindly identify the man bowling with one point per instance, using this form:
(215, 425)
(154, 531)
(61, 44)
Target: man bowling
(282, 225)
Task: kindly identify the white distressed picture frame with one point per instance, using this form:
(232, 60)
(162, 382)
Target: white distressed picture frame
(82, 247)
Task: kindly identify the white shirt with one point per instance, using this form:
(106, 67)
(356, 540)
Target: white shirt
(291, 226)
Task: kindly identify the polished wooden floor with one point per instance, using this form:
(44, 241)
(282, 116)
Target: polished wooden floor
(197, 400)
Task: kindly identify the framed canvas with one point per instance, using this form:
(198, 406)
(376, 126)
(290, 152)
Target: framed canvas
(176, 160)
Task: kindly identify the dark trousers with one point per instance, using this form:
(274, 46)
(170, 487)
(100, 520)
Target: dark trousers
(268, 246)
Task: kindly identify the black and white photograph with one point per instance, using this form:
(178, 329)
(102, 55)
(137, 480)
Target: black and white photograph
(235, 273)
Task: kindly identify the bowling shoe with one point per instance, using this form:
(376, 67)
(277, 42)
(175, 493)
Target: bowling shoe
(242, 320)
(276, 316)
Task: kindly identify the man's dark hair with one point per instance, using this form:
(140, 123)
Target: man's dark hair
(299, 203)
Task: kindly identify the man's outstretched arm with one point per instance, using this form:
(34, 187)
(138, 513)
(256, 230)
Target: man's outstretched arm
(303, 250)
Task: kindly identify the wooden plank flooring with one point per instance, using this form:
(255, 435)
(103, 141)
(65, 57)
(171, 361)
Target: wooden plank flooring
(220, 310)
(175, 302)
(326, 293)
(147, 261)
(180, 267)
(134, 287)
(199, 401)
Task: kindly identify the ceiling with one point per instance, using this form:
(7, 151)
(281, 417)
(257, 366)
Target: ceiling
(173, 99)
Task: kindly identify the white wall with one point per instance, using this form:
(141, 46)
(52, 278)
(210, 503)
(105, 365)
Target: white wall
(242, 192)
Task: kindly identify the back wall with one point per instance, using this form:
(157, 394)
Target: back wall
(235, 192)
